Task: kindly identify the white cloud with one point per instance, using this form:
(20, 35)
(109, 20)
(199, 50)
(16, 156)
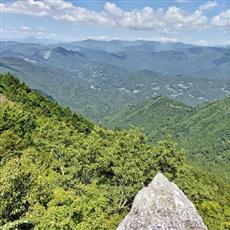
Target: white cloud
(28, 7)
(197, 42)
(163, 39)
(98, 38)
(180, 20)
(200, 43)
(24, 31)
(25, 28)
(208, 5)
(7, 29)
(58, 9)
(150, 19)
(222, 20)
(113, 9)
(171, 19)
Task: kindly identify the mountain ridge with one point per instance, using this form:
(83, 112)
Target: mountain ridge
(56, 164)
(202, 130)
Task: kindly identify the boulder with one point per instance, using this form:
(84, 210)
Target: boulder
(162, 205)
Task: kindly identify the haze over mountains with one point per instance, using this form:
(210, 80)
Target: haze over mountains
(103, 76)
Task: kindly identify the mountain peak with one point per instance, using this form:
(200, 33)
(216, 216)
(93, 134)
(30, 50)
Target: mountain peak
(162, 205)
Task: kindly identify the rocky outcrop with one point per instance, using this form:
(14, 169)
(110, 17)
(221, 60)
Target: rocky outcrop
(162, 206)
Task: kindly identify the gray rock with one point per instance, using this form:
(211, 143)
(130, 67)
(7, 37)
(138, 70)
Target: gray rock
(162, 205)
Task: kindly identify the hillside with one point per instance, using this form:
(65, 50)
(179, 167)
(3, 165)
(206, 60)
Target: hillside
(57, 165)
(206, 134)
(158, 112)
(204, 130)
(99, 90)
(98, 78)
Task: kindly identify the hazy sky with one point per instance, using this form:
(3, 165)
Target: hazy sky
(190, 21)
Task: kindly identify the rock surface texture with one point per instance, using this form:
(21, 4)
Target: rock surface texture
(162, 205)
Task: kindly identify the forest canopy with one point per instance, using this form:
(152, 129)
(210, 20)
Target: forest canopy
(59, 170)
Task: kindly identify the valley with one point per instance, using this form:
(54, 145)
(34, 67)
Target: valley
(114, 115)
(102, 81)
(58, 165)
(111, 105)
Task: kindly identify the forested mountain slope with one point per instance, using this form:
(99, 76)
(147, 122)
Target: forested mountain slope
(154, 115)
(206, 134)
(98, 78)
(99, 90)
(204, 130)
(61, 171)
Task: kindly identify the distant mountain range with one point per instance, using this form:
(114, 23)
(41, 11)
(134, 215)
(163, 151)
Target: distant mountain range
(100, 77)
(165, 58)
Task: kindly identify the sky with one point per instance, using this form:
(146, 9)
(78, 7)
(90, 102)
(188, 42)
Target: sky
(189, 21)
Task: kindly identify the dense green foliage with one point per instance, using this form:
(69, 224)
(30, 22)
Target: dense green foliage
(154, 115)
(98, 90)
(60, 171)
(204, 131)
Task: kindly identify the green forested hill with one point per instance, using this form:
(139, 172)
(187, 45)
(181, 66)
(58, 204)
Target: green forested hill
(98, 90)
(154, 115)
(204, 130)
(60, 171)
(206, 134)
